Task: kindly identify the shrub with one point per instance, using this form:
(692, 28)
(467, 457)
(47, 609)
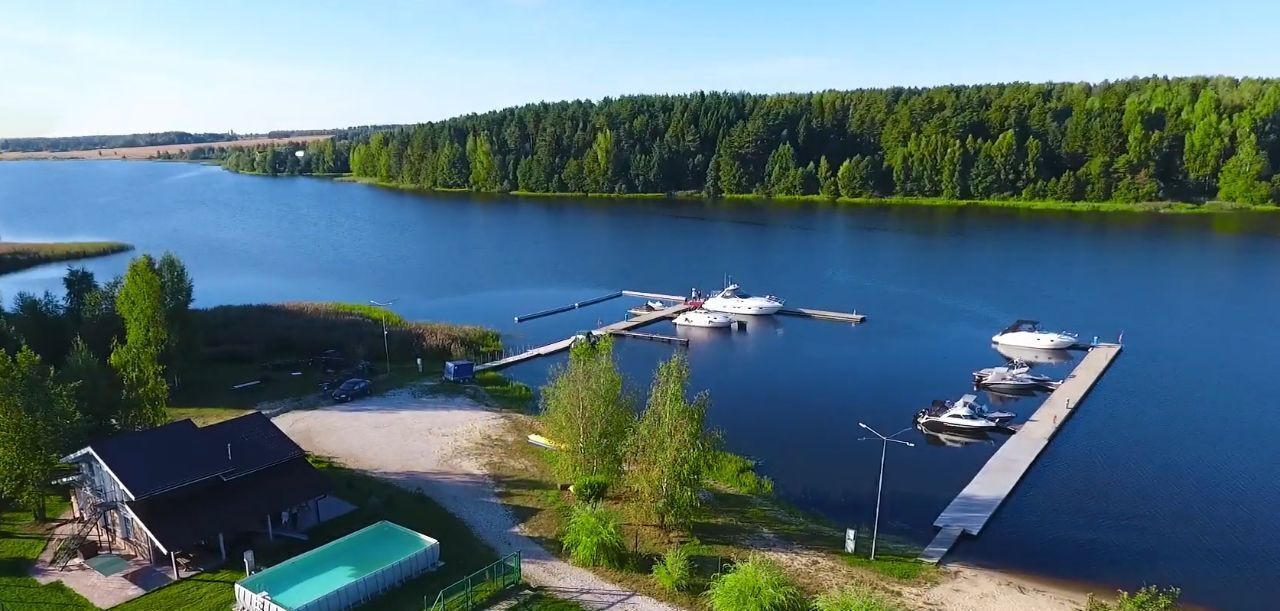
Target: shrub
(674, 571)
(851, 599)
(754, 585)
(1150, 598)
(738, 473)
(591, 489)
(593, 537)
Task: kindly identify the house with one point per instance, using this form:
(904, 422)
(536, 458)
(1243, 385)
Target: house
(179, 487)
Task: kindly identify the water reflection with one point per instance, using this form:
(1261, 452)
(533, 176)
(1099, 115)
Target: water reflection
(955, 439)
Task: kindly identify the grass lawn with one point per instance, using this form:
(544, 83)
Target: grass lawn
(20, 543)
(16, 256)
(729, 526)
(204, 416)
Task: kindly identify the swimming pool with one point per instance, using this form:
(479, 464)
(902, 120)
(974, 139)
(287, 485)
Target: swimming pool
(343, 573)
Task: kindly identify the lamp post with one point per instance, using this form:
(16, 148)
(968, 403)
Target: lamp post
(386, 305)
(884, 444)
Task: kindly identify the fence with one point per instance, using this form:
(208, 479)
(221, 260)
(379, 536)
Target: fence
(477, 588)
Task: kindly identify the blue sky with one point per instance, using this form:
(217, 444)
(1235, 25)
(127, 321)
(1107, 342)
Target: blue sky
(119, 67)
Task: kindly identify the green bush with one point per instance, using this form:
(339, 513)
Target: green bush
(591, 489)
(674, 571)
(851, 599)
(593, 537)
(738, 473)
(754, 585)
(1150, 598)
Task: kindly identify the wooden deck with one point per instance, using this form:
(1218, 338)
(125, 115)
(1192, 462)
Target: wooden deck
(973, 507)
(683, 341)
(823, 314)
(554, 347)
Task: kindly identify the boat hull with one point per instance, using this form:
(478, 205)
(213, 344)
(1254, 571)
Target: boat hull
(750, 309)
(1039, 341)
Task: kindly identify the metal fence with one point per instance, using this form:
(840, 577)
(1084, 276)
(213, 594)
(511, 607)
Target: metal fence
(479, 587)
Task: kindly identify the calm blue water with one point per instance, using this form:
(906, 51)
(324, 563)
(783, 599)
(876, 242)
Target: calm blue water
(1167, 474)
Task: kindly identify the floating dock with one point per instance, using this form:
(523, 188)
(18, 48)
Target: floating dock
(572, 306)
(683, 341)
(973, 507)
(823, 314)
(617, 327)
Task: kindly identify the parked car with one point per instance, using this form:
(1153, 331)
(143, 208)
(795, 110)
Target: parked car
(351, 389)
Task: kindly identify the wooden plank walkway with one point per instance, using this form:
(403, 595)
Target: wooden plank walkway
(554, 347)
(823, 314)
(973, 507)
(644, 295)
(683, 341)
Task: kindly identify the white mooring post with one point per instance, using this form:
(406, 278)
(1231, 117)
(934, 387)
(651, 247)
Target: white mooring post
(270, 536)
(173, 558)
(850, 541)
(222, 546)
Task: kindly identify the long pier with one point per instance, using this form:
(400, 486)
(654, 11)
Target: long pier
(973, 507)
(617, 327)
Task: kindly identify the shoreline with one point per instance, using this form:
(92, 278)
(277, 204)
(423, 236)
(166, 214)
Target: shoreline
(1159, 207)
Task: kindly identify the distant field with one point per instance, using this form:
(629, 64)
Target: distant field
(147, 152)
(15, 256)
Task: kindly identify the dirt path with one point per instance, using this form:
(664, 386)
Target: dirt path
(422, 443)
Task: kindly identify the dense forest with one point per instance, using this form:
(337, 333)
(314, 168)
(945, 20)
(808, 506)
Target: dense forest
(81, 143)
(328, 156)
(1185, 139)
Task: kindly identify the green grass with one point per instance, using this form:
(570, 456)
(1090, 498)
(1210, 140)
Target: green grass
(538, 601)
(902, 568)
(16, 256)
(505, 392)
(20, 543)
(205, 415)
(738, 473)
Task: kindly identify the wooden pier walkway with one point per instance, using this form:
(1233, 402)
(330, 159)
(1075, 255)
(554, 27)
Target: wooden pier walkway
(554, 347)
(823, 314)
(683, 341)
(973, 507)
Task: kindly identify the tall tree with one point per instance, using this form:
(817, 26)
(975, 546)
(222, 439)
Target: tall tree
(95, 388)
(137, 359)
(37, 416)
(670, 447)
(178, 293)
(827, 186)
(79, 284)
(586, 413)
(1245, 177)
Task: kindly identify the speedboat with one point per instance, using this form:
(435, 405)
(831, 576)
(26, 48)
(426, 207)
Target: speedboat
(961, 416)
(703, 318)
(732, 300)
(1027, 334)
(1016, 377)
(655, 305)
(955, 439)
(1033, 355)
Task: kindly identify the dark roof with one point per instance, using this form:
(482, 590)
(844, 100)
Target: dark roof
(252, 442)
(162, 458)
(181, 454)
(198, 513)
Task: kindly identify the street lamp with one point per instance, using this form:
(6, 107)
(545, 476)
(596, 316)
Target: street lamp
(884, 443)
(385, 346)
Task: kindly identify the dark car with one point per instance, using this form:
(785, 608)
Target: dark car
(355, 387)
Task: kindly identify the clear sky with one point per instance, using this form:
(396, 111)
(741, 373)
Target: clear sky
(72, 68)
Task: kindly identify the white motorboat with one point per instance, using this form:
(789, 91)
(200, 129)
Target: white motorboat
(655, 305)
(732, 300)
(1027, 334)
(1033, 355)
(961, 415)
(955, 439)
(1016, 377)
(703, 318)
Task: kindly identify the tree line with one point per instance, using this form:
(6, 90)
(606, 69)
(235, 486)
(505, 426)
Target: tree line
(81, 143)
(86, 366)
(328, 156)
(1149, 139)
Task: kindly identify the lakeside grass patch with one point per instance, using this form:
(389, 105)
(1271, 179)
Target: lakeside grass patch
(902, 568)
(204, 416)
(730, 525)
(15, 256)
(507, 393)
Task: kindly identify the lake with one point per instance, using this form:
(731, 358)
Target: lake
(1166, 474)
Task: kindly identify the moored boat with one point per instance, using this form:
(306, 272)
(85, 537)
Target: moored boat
(732, 300)
(1028, 334)
(703, 318)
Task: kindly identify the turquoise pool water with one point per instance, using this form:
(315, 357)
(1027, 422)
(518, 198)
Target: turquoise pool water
(336, 564)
